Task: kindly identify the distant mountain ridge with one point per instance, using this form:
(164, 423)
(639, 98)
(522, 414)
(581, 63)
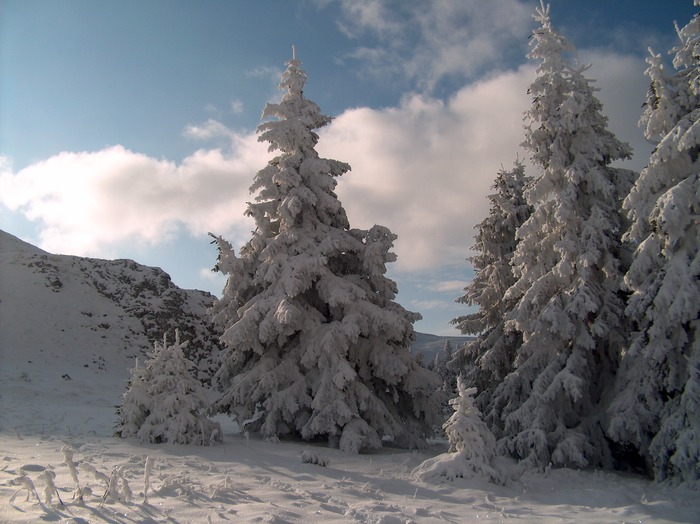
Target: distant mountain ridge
(431, 345)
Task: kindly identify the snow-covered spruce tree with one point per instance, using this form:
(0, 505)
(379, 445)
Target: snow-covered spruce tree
(317, 347)
(472, 445)
(442, 365)
(657, 405)
(569, 308)
(489, 358)
(164, 402)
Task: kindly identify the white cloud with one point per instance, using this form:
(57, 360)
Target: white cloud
(272, 73)
(362, 15)
(215, 277)
(5, 165)
(209, 130)
(623, 86)
(235, 107)
(86, 203)
(422, 168)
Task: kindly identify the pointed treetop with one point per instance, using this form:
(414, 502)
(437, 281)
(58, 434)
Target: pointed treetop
(542, 13)
(294, 52)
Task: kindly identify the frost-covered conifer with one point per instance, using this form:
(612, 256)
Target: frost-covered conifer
(164, 402)
(136, 402)
(489, 358)
(317, 347)
(472, 445)
(444, 367)
(567, 264)
(657, 406)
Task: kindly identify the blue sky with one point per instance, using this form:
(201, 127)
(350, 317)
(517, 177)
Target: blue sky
(127, 129)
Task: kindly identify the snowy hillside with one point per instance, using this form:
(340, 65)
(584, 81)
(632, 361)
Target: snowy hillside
(70, 328)
(66, 321)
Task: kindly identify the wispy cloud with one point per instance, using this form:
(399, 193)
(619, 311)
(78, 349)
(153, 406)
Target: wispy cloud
(237, 106)
(270, 72)
(425, 43)
(422, 305)
(209, 130)
(207, 274)
(450, 285)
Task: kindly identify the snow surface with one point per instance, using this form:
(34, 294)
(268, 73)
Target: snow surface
(61, 376)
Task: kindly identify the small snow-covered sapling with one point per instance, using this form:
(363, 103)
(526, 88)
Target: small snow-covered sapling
(126, 490)
(68, 460)
(50, 488)
(147, 477)
(26, 484)
(113, 492)
(97, 474)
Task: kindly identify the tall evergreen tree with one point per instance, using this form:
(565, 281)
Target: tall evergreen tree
(443, 366)
(567, 265)
(489, 358)
(657, 406)
(316, 345)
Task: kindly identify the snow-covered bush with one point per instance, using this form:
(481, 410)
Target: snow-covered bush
(316, 345)
(311, 457)
(164, 402)
(472, 445)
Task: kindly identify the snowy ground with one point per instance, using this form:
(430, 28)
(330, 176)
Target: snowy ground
(254, 481)
(249, 480)
(61, 374)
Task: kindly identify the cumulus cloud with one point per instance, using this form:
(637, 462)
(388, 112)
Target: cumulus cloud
(422, 168)
(88, 202)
